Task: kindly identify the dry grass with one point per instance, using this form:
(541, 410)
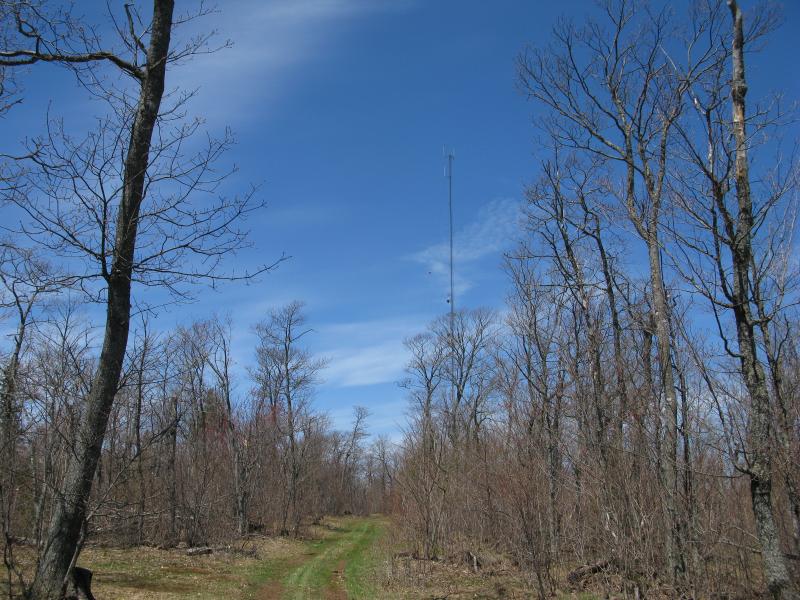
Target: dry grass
(408, 578)
(150, 573)
(349, 555)
(170, 575)
(403, 577)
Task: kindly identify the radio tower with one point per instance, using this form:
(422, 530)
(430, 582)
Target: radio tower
(452, 300)
(449, 174)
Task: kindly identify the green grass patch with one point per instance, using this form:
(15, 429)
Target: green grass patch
(340, 560)
(362, 562)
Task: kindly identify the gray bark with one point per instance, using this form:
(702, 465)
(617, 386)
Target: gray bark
(670, 457)
(172, 473)
(71, 505)
(776, 573)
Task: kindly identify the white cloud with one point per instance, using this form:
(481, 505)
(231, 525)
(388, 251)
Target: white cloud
(494, 229)
(371, 330)
(272, 40)
(367, 352)
(368, 365)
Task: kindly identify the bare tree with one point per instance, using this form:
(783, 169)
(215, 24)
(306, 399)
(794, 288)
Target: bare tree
(26, 280)
(287, 373)
(734, 253)
(220, 362)
(425, 479)
(469, 341)
(112, 215)
(531, 350)
(611, 96)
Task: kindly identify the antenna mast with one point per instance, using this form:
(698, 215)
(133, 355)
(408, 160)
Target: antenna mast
(450, 157)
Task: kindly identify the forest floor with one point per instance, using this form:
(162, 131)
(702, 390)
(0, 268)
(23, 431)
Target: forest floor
(348, 557)
(333, 562)
(336, 560)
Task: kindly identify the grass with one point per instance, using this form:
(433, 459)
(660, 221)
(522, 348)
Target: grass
(362, 564)
(170, 575)
(337, 562)
(315, 573)
(348, 557)
(340, 563)
(269, 574)
(148, 573)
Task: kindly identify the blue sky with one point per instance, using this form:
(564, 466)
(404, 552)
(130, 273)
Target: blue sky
(340, 109)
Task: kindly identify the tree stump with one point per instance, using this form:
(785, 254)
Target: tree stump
(472, 560)
(80, 585)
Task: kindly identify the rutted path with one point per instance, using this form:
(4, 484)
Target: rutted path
(335, 567)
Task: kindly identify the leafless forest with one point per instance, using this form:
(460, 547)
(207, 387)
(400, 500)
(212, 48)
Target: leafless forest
(632, 414)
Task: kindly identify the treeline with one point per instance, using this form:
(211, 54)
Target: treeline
(195, 452)
(112, 429)
(634, 411)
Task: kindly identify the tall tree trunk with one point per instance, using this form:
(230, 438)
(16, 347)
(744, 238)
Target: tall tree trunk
(71, 505)
(9, 432)
(172, 467)
(776, 572)
(137, 426)
(669, 461)
(689, 520)
(239, 475)
(784, 428)
(294, 468)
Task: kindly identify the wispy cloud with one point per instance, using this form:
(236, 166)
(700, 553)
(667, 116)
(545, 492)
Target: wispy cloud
(367, 365)
(272, 40)
(368, 352)
(493, 230)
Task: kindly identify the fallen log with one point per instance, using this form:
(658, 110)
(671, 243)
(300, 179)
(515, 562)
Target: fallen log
(199, 551)
(416, 556)
(248, 552)
(581, 573)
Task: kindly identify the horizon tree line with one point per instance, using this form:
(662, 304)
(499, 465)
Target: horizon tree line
(634, 414)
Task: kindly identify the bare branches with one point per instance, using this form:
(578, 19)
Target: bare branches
(37, 32)
(71, 191)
